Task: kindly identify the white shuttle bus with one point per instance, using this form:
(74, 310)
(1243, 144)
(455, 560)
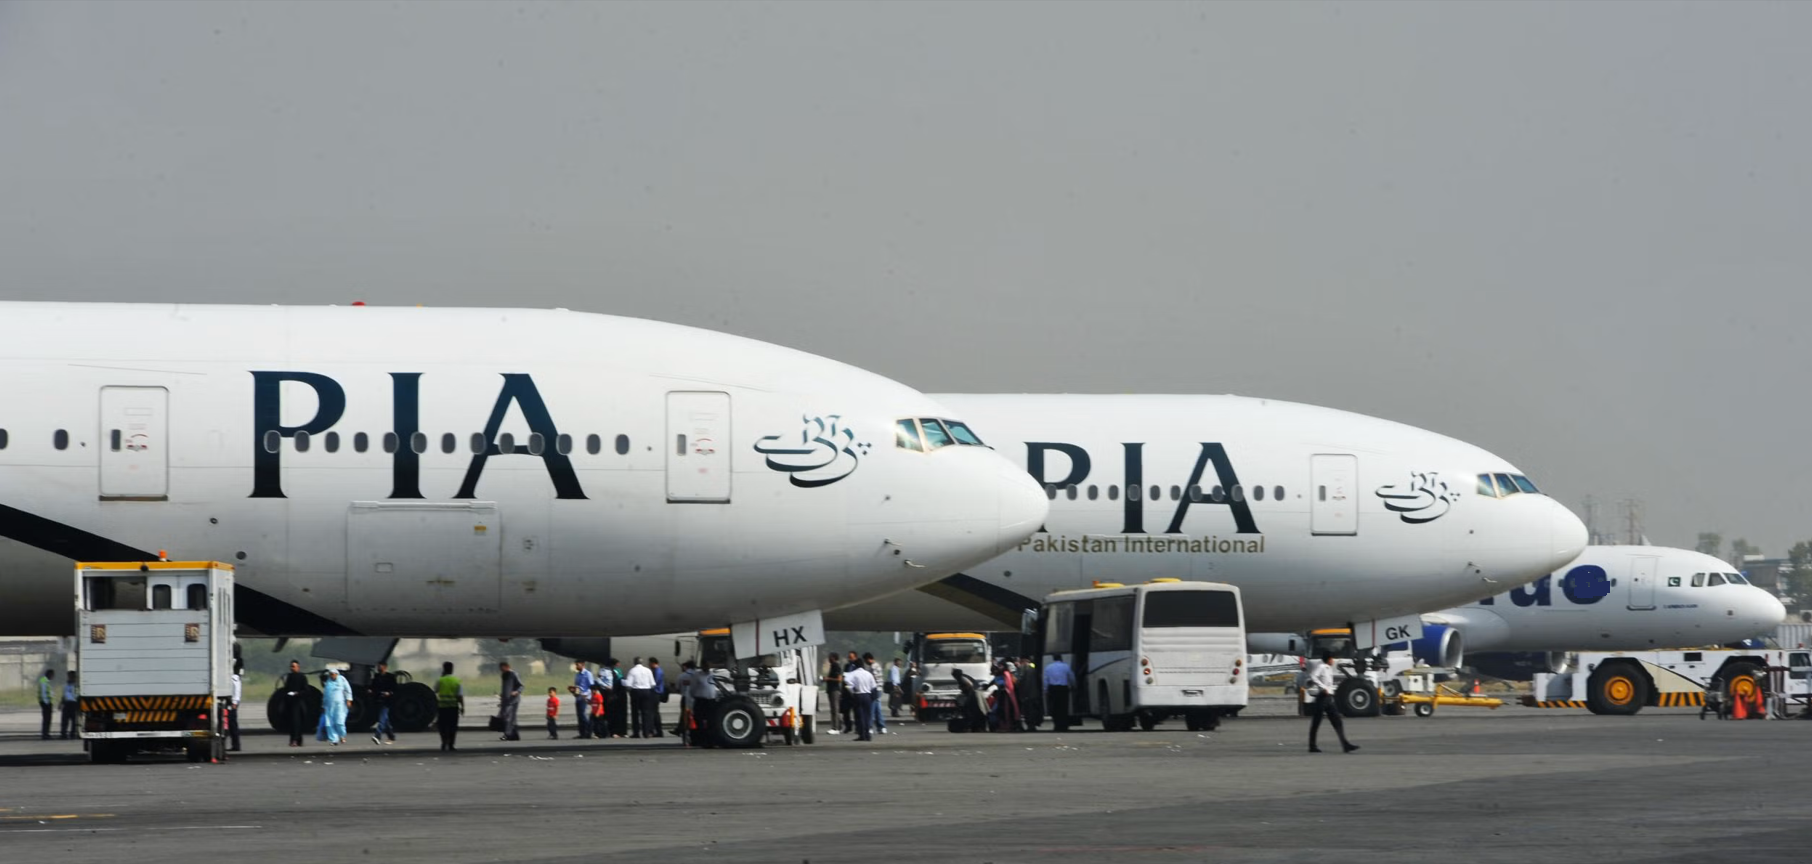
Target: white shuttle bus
(1142, 653)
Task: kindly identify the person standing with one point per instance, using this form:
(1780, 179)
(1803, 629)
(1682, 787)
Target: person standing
(383, 691)
(699, 695)
(581, 691)
(1058, 679)
(44, 701)
(509, 702)
(450, 700)
(660, 694)
(336, 701)
(1320, 689)
(833, 691)
(66, 722)
(232, 717)
(896, 686)
(553, 713)
(876, 719)
(862, 686)
(641, 700)
(295, 702)
(616, 701)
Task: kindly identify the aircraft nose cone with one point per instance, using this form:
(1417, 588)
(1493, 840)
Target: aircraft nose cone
(1567, 535)
(1023, 507)
(1769, 611)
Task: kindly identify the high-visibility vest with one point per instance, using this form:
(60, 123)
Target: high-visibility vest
(446, 693)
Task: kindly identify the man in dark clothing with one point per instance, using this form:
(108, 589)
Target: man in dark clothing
(295, 701)
(616, 702)
(1058, 679)
(509, 701)
(383, 690)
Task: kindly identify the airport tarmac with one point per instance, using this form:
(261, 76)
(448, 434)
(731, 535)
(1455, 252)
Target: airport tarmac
(1470, 785)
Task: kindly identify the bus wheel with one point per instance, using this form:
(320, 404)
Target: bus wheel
(739, 723)
(1356, 697)
(1616, 688)
(1148, 721)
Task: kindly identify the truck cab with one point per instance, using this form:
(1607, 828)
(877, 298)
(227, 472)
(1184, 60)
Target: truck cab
(936, 657)
(783, 684)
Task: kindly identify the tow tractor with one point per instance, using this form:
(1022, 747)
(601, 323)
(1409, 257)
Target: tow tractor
(937, 657)
(779, 688)
(154, 645)
(1625, 682)
(1370, 684)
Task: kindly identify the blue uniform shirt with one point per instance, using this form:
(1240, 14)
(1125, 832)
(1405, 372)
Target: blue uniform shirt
(1058, 674)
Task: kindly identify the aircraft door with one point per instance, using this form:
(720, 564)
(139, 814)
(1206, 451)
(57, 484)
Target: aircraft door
(698, 447)
(1333, 493)
(1642, 582)
(135, 446)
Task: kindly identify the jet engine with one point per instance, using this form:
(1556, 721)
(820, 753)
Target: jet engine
(1440, 645)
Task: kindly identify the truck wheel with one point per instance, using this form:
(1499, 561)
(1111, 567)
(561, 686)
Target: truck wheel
(413, 708)
(104, 752)
(1616, 688)
(1738, 681)
(1356, 697)
(196, 751)
(1148, 721)
(739, 723)
(1424, 709)
(807, 734)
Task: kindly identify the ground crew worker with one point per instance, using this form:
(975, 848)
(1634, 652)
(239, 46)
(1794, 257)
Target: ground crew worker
(383, 690)
(233, 709)
(450, 699)
(44, 701)
(643, 712)
(833, 691)
(66, 723)
(1320, 688)
(1058, 679)
(509, 702)
(862, 686)
(295, 701)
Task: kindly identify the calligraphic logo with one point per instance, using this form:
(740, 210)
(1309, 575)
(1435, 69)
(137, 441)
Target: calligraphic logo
(1425, 498)
(821, 454)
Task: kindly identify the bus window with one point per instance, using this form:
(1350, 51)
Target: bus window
(1057, 628)
(198, 597)
(160, 596)
(1111, 629)
(1191, 609)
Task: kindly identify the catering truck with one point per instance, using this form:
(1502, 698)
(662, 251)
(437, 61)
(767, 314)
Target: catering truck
(935, 659)
(154, 645)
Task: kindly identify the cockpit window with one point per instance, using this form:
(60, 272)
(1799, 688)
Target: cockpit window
(1505, 485)
(1486, 487)
(906, 436)
(1736, 578)
(1524, 484)
(1717, 578)
(935, 436)
(1698, 580)
(964, 435)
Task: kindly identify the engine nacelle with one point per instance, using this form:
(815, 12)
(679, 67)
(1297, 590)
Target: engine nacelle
(591, 649)
(1276, 643)
(1440, 645)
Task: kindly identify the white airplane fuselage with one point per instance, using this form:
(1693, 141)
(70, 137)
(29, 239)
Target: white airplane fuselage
(479, 472)
(1375, 519)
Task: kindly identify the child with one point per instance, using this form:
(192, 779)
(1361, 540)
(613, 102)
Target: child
(553, 713)
(597, 711)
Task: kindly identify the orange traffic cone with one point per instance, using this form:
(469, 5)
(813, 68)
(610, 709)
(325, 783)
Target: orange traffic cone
(1476, 690)
(1739, 708)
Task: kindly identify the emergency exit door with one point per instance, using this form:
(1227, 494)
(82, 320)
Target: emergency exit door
(1642, 582)
(135, 445)
(1333, 493)
(698, 447)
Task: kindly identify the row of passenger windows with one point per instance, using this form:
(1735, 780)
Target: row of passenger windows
(1505, 485)
(449, 443)
(928, 433)
(1238, 492)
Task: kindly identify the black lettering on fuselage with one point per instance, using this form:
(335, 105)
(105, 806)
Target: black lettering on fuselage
(1223, 470)
(1133, 506)
(406, 417)
(520, 389)
(267, 417)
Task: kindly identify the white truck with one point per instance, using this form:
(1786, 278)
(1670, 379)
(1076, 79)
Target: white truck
(1625, 682)
(782, 685)
(936, 657)
(154, 645)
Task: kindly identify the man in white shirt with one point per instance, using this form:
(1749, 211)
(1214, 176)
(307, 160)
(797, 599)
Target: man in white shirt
(644, 716)
(233, 712)
(861, 683)
(1319, 690)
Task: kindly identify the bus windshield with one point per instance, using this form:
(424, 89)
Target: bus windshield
(953, 651)
(1191, 609)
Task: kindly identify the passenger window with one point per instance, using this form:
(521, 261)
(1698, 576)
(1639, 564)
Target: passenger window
(1277, 493)
(390, 442)
(476, 445)
(593, 444)
(537, 444)
(61, 439)
(1093, 492)
(1070, 492)
(1717, 579)
(622, 445)
(448, 443)
(1132, 493)
(1218, 495)
(418, 442)
(564, 444)
(963, 434)
(2, 439)
(1176, 493)
(1050, 491)
(272, 441)
(906, 436)
(1524, 484)
(1486, 488)
(1698, 580)
(1239, 492)
(1504, 485)
(1258, 493)
(935, 436)
(1157, 493)
(361, 442)
(506, 444)
(1113, 493)
(333, 442)
(1195, 494)
(198, 597)
(302, 441)
(160, 596)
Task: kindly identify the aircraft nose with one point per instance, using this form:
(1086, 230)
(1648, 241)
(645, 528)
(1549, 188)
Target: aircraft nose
(1567, 535)
(1023, 507)
(1766, 610)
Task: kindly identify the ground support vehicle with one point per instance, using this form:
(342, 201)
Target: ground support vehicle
(154, 647)
(1625, 682)
(1426, 695)
(1370, 683)
(773, 695)
(936, 658)
(1142, 653)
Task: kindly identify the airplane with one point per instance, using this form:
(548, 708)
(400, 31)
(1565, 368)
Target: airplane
(473, 472)
(1322, 517)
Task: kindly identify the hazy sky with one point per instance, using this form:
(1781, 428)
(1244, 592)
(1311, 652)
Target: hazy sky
(1579, 235)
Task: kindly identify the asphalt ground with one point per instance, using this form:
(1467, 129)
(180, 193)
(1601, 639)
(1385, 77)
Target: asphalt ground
(1467, 785)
